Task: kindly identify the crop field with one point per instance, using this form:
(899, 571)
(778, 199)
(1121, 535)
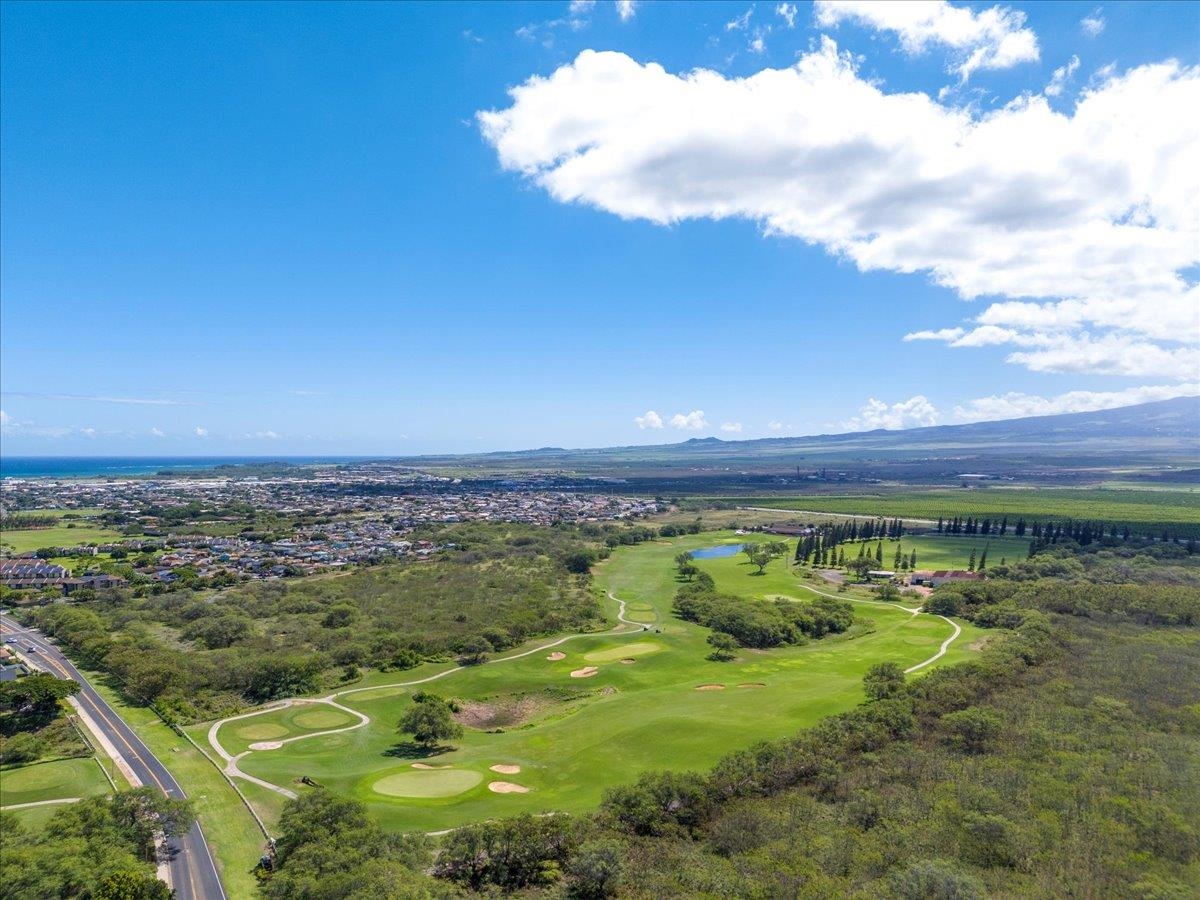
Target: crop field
(552, 729)
(1136, 507)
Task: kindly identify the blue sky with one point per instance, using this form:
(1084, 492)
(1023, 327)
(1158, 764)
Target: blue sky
(286, 228)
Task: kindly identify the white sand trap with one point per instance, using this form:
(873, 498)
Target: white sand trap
(507, 787)
(710, 687)
(628, 661)
(752, 684)
(427, 767)
(556, 656)
(266, 745)
(505, 770)
(585, 672)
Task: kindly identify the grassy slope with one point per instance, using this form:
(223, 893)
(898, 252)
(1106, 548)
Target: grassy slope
(627, 719)
(232, 835)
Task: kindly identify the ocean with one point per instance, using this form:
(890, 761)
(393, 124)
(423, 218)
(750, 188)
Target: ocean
(114, 466)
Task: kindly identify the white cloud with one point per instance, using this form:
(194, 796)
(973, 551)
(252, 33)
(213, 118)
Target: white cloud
(1016, 405)
(914, 412)
(775, 426)
(626, 9)
(740, 23)
(5, 418)
(1061, 76)
(157, 432)
(787, 11)
(88, 432)
(263, 435)
(1082, 225)
(994, 38)
(651, 419)
(90, 398)
(581, 7)
(693, 421)
(200, 432)
(733, 427)
(757, 44)
(1093, 24)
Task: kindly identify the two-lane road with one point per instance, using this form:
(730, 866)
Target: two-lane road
(193, 872)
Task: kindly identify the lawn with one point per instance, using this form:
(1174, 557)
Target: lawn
(571, 737)
(945, 551)
(234, 838)
(81, 777)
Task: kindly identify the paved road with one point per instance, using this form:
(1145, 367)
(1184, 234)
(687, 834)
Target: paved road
(193, 872)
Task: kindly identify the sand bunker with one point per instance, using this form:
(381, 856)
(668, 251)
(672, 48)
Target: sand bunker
(556, 656)
(585, 672)
(752, 684)
(425, 767)
(266, 745)
(710, 687)
(505, 770)
(507, 787)
(628, 661)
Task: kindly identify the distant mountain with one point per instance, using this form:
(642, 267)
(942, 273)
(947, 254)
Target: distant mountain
(1160, 435)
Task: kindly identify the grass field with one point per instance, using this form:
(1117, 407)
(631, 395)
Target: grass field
(24, 540)
(234, 838)
(1132, 506)
(54, 780)
(572, 737)
(946, 551)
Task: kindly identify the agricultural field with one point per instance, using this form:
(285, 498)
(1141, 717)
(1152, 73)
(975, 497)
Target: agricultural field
(1152, 507)
(552, 728)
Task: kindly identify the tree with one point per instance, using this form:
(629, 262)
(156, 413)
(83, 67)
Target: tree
(883, 681)
(724, 646)
(430, 720)
(972, 730)
(762, 554)
(475, 651)
(879, 553)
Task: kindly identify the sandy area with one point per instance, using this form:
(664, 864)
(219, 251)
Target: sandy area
(424, 766)
(585, 672)
(752, 684)
(710, 687)
(266, 745)
(628, 661)
(556, 656)
(507, 787)
(504, 769)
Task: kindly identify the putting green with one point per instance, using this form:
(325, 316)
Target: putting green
(613, 653)
(261, 731)
(323, 718)
(427, 784)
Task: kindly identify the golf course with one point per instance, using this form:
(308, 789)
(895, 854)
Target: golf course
(551, 725)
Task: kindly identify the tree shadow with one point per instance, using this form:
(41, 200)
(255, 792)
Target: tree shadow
(413, 750)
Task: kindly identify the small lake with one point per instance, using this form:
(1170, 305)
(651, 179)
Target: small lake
(717, 552)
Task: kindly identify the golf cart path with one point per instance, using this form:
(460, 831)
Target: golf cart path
(233, 770)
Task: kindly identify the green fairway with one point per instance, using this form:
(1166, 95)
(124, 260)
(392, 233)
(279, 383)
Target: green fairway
(613, 706)
(283, 724)
(52, 781)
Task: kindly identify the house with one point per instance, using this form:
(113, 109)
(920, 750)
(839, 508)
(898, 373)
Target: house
(30, 573)
(943, 576)
(881, 573)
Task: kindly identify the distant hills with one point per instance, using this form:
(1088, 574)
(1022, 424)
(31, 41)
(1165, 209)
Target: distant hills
(1150, 440)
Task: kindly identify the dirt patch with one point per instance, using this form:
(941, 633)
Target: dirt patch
(266, 745)
(505, 769)
(628, 661)
(425, 767)
(979, 644)
(585, 672)
(752, 684)
(507, 787)
(556, 656)
(501, 713)
(710, 687)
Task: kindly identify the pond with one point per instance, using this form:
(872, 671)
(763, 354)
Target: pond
(718, 552)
